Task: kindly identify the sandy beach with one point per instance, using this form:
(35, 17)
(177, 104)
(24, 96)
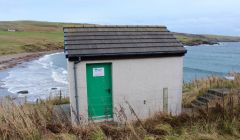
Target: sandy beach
(9, 61)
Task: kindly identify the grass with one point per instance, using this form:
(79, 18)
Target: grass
(30, 36)
(189, 40)
(42, 121)
(28, 121)
(57, 101)
(19, 42)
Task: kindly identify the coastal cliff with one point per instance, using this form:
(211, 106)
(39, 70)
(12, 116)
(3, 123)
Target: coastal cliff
(194, 39)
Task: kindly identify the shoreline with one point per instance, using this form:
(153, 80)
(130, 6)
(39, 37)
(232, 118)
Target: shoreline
(12, 60)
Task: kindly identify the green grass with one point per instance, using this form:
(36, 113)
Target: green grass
(187, 40)
(31, 36)
(16, 42)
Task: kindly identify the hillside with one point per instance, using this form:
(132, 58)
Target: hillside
(33, 36)
(30, 36)
(193, 39)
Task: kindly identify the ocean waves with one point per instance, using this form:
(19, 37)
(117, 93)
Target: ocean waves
(218, 60)
(197, 70)
(39, 77)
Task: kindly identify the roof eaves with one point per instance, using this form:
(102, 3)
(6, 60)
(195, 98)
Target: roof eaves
(114, 26)
(131, 53)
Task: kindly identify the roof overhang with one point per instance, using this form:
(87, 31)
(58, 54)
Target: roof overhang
(125, 56)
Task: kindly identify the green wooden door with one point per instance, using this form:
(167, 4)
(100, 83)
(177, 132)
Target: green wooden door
(99, 91)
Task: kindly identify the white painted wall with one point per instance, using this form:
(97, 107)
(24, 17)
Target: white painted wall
(135, 80)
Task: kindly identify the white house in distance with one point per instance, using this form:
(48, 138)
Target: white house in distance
(116, 69)
(11, 30)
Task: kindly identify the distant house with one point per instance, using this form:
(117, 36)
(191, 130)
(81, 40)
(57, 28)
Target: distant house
(114, 68)
(11, 30)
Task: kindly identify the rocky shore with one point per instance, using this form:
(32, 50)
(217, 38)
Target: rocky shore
(9, 61)
(200, 42)
(194, 39)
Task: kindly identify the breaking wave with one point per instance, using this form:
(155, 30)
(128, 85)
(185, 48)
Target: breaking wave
(40, 78)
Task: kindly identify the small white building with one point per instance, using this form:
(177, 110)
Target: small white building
(114, 70)
(11, 30)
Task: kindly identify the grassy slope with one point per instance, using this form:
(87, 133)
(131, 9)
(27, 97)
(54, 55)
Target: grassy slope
(17, 42)
(32, 36)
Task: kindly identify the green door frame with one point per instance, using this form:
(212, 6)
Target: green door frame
(99, 91)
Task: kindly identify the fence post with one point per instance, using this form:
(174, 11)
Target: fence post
(25, 99)
(60, 97)
(207, 112)
(49, 96)
(223, 106)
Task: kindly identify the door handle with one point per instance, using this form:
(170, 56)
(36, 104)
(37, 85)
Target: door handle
(108, 90)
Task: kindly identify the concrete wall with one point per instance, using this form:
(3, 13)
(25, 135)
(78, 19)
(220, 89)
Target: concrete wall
(140, 82)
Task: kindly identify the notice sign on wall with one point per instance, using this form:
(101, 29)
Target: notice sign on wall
(98, 72)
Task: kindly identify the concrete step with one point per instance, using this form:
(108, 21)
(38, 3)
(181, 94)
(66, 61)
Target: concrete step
(209, 95)
(199, 103)
(219, 92)
(203, 99)
(195, 105)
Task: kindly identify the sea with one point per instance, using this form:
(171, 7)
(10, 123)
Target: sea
(47, 75)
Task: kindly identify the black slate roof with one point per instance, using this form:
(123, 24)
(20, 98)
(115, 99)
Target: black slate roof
(104, 42)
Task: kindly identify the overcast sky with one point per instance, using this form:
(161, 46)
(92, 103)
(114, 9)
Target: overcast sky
(192, 16)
